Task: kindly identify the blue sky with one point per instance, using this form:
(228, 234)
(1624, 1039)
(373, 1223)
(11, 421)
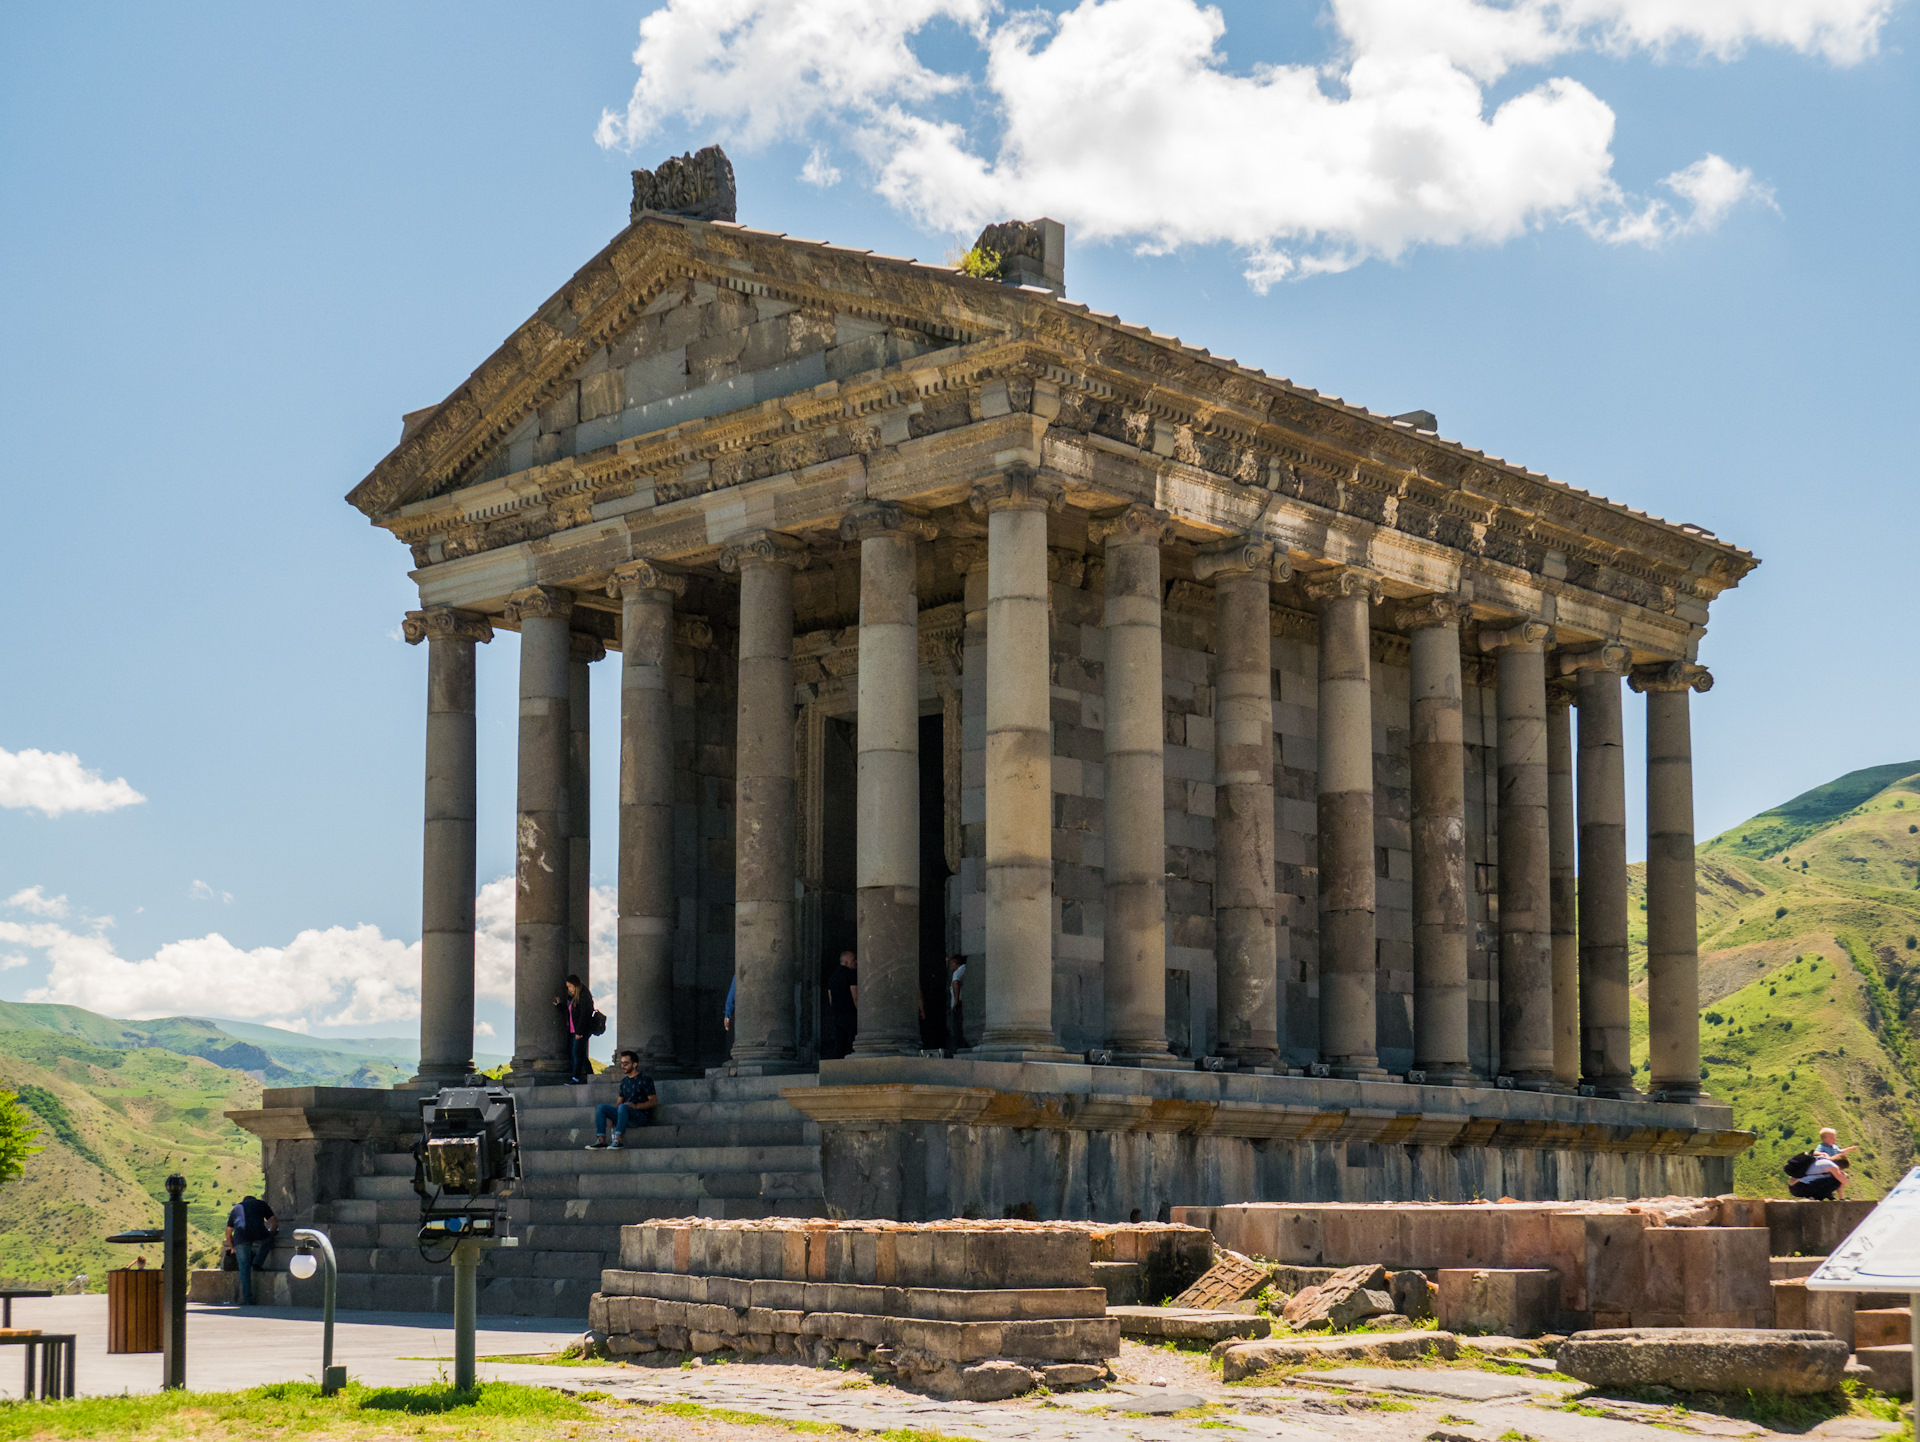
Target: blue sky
(240, 241)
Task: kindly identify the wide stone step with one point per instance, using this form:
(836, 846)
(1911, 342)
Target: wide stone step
(689, 1185)
(794, 1131)
(691, 1113)
(578, 1161)
(520, 1261)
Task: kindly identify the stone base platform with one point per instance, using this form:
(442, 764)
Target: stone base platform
(915, 1138)
(958, 1309)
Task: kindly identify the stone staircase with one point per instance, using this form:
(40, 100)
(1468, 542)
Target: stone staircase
(723, 1147)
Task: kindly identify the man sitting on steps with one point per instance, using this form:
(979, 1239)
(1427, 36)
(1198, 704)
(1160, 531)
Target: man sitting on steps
(637, 1101)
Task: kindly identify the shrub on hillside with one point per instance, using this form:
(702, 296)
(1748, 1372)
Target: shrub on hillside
(19, 1129)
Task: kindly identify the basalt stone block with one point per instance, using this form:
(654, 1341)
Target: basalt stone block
(1888, 1369)
(1878, 1326)
(1508, 1302)
(1705, 1359)
(1241, 1360)
(1797, 1308)
(1697, 1272)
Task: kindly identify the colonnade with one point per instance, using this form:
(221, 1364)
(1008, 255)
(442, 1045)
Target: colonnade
(1560, 904)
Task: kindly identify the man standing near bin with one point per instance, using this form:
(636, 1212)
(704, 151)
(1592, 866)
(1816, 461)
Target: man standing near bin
(250, 1228)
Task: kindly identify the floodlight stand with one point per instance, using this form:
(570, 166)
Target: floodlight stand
(466, 1302)
(332, 1378)
(173, 1262)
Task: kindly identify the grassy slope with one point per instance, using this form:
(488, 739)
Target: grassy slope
(115, 1122)
(1819, 1005)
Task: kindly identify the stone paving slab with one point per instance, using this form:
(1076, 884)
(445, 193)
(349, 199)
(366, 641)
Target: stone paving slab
(1470, 1386)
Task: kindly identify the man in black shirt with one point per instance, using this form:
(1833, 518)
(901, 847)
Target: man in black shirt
(250, 1228)
(843, 1007)
(637, 1101)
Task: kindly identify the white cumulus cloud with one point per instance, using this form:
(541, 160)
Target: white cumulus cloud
(1126, 120)
(200, 891)
(324, 976)
(54, 782)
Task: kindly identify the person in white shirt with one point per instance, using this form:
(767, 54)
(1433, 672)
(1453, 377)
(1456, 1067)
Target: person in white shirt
(1824, 1180)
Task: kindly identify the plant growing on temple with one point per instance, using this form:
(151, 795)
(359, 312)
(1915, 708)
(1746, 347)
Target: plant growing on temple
(19, 1129)
(981, 263)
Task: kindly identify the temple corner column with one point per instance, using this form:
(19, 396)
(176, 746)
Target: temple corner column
(644, 1020)
(1673, 938)
(449, 870)
(583, 650)
(1563, 938)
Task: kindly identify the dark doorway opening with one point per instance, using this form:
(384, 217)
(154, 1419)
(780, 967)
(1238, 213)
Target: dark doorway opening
(838, 883)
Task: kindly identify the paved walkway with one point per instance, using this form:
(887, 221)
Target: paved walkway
(228, 1347)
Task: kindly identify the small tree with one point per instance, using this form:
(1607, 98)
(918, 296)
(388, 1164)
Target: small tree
(19, 1129)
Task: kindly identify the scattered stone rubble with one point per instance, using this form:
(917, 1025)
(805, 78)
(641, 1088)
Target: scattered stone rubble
(979, 1310)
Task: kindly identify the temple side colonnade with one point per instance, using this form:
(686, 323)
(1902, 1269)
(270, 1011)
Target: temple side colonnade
(1562, 897)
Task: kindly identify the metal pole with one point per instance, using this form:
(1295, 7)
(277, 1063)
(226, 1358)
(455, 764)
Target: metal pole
(466, 1265)
(173, 1262)
(1913, 1310)
(332, 1378)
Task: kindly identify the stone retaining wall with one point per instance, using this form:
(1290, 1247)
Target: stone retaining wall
(961, 1308)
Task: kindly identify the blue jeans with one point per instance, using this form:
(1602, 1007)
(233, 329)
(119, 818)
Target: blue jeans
(621, 1116)
(245, 1255)
(578, 1067)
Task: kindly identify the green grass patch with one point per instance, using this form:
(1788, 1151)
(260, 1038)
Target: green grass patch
(296, 1409)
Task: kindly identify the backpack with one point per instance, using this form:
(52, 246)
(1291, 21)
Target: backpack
(597, 1024)
(1798, 1165)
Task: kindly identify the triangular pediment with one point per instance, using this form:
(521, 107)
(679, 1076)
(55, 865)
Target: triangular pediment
(677, 321)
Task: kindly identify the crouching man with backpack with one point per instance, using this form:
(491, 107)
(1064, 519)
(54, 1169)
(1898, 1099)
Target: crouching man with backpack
(1816, 1177)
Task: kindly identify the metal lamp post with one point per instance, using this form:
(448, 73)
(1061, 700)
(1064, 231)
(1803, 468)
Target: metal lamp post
(173, 1263)
(332, 1378)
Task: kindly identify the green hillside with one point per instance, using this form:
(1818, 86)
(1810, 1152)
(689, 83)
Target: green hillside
(115, 1121)
(1810, 975)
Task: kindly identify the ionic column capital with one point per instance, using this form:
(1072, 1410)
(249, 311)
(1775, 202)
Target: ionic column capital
(1019, 489)
(1137, 525)
(1522, 633)
(1241, 556)
(1562, 690)
(1421, 613)
(538, 603)
(629, 581)
(443, 623)
(765, 548)
(584, 647)
(1611, 657)
(1670, 676)
(872, 519)
(969, 555)
(1344, 584)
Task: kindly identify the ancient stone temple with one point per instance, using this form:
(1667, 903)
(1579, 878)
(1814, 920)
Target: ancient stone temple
(1260, 754)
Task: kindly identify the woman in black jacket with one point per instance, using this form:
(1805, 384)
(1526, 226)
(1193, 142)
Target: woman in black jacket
(577, 1011)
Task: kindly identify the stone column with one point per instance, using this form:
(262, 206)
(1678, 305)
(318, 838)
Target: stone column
(1526, 941)
(1348, 1045)
(584, 651)
(1245, 955)
(1563, 943)
(763, 856)
(645, 940)
(887, 797)
(447, 875)
(1019, 860)
(1673, 945)
(542, 885)
(1606, 1061)
(1437, 757)
(1135, 931)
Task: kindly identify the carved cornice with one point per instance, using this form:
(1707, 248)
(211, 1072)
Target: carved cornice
(1424, 612)
(1240, 557)
(1137, 525)
(1343, 585)
(637, 577)
(1523, 633)
(1018, 489)
(1611, 656)
(765, 548)
(443, 623)
(1670, 676)
(539, 603)
(871, 519)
